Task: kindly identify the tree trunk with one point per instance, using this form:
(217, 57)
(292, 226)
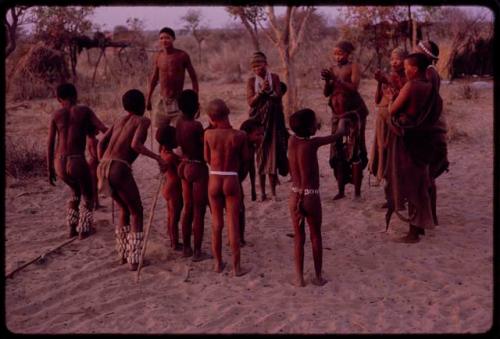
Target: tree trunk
(414, 34)
(199, 52)
(290, 99)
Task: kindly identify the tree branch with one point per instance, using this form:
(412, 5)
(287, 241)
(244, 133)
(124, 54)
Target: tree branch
(300, 34)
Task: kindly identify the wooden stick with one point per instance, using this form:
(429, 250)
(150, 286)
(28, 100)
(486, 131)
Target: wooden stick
(39, 257)
(148, 228)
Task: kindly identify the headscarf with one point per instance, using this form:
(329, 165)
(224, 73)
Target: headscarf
(258, 57)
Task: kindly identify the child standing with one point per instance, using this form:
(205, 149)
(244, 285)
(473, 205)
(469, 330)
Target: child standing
(193, 172)
(255, 133)
(347, 158)
(172, 187)
(225, 150)
(305, 202)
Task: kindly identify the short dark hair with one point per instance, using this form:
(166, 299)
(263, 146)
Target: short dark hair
(169, 31)
(302, 121)
(419, 60)
(217, 109)
(250, 125)
(134, 102)
(165, 135)
(188, 102)
(67, 91)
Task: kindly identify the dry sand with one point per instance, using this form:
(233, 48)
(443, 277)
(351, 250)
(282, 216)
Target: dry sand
(441, 285)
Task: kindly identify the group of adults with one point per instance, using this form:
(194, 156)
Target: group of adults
(413, 151)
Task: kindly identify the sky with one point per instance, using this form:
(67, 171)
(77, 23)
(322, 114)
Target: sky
(156, 17)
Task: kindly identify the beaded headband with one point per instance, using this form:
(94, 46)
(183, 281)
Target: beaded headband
(429, 53)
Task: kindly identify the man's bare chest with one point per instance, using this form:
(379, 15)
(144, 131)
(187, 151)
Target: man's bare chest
(170, 63)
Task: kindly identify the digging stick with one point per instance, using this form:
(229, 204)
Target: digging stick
(148, 227)
(11, 274)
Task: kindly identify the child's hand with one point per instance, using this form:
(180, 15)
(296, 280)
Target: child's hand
(266, 88)
(326, 74)
(389, 92)
(380, 77)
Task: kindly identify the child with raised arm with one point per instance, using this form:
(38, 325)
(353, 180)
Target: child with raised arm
(348, 157)
(305, 202)
(255, 134)
(172, 186)
(193, 172)
(69, 129)
(225, 150)
(117, 150)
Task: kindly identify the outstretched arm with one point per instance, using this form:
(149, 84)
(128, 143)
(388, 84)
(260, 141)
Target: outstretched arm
(141, 133)
(192, 74)
(342, 130)
(97, 123)
(50, 152)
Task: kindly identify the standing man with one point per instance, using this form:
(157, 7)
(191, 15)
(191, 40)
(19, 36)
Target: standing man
(169, 69)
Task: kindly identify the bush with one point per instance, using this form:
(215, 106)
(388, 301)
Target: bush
(467, 92)
(24, 158)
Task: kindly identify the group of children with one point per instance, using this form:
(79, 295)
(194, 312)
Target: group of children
(207, 166)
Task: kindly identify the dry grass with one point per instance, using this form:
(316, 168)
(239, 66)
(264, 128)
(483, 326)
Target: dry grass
(467, 92)
(25, 158)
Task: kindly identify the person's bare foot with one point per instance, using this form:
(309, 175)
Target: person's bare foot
(83, 235)
(275, 198)
(199, 256)
(339, 196)
(219, 267)
(239, 272)
(410, 238)
(177, 247)
(72, 232)
(299, 282)
(187, 252)
(134, 267)
(357, 198)
(254, 196)
(384, 205)
(263, 197)
(318, 281)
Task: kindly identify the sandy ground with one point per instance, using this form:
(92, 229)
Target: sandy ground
(441, 285)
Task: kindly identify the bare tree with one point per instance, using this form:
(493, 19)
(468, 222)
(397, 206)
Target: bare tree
(193, 20)
(14, 17)
(287, 39)
(250, 17)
